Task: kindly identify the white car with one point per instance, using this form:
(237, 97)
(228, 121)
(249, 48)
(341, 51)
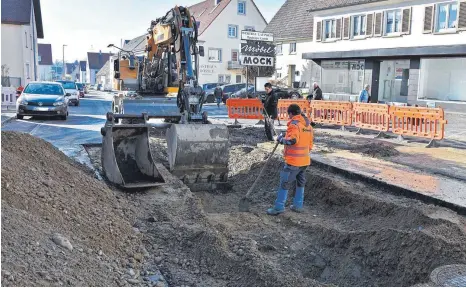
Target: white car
(72, 89)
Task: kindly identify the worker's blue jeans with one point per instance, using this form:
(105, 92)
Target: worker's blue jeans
(219, 100)
(289, 174)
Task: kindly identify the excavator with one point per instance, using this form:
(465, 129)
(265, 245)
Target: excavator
(166, 86)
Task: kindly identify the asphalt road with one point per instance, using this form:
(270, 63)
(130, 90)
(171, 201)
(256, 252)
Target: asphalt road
(83, 123)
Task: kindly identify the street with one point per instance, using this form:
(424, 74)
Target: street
(83, 123)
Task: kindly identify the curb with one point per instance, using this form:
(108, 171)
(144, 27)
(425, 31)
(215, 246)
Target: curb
(8, 120)
(393, 189)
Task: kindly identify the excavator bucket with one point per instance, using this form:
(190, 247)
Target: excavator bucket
(198, 154)
(126, 157)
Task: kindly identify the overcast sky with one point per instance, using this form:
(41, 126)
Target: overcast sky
(90, 25)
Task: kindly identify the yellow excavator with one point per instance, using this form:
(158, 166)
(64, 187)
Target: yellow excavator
(166, 86)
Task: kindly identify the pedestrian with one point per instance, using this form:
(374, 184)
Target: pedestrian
(364, 96)
(317, 93)
(218, 93)
(298, 142)
(270, 102)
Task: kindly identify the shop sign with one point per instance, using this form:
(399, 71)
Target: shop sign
(257, 60)
(256, 36)
(207, 69)
(258, 49)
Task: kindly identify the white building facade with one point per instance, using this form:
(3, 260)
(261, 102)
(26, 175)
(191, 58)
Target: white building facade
(20, 32)
(408, 51)
(221, 23)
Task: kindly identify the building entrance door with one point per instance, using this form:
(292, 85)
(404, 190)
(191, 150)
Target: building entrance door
(393, 81)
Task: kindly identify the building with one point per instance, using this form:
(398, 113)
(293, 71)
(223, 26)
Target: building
(82, 71)
(104, 78)
(408, 51)
(45, 62)
(221, 23)
(291, 39)
(21, 27)
(95, 62)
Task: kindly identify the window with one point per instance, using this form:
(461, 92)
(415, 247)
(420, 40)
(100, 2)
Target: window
(330, 29)
(227, 78)
(279, 75)
(359, 25)
(238, 78)
(234, 55)
(217, 2)
(39, 58)
(292, 48)
(443, 79)
(249, 28)
(28, 75)
(392, 22)
(232, 31)
(279, 49)
(26, 38)
(242, 7)
(447, 17)
(339, 77)
(215, 55)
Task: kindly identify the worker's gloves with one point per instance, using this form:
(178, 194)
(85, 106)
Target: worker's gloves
(281, 138)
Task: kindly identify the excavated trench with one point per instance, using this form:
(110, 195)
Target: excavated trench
(350, 234)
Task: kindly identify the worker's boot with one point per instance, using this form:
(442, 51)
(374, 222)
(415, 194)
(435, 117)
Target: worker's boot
(298, 200)
(279, 203)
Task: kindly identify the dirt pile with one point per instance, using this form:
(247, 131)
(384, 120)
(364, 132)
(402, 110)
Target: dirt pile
(60, 225)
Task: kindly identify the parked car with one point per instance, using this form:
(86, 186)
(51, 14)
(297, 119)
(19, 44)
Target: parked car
(242, 93)
(72, 88)
(283, 93)
(80, 89)
(43, 99)
(209, 88)
(230, 89)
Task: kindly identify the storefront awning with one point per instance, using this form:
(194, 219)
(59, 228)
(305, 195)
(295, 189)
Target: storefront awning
(444, 50)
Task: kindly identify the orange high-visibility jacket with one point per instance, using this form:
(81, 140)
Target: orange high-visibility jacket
(301, 137)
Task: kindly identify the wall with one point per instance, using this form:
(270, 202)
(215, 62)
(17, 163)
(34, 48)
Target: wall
(285, 59)
(414, 39)
(45, 72)
(11, 44)
(216, 36)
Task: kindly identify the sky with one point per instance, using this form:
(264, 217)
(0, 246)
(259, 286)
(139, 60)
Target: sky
(90, 25)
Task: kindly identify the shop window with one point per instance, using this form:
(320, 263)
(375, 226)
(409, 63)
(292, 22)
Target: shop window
(392, 22)
(443, 79)
(342, 78)
(446, 17)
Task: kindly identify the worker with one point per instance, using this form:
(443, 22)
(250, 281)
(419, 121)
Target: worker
(298, 142)
(218, 94)
(271, 102)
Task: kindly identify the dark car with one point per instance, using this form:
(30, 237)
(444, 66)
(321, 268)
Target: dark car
(230, 89)
(81, 89)
(283, 93)
(43, 99)
(209, 88)
(242, 93)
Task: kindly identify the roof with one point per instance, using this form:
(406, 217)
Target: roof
(105, 70)
(83, 64)
(206, 12)
(137, 44)
(19, 12)
(45, 53)
(70, 68)
(97, 60)
(284, 26)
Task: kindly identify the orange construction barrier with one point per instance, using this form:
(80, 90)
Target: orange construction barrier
(283, 105)
(372, 116)
(244, 109)
(332, 112)
(418, 122)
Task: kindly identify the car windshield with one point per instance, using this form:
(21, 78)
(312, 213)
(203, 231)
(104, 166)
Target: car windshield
(210, 86)
(80, 85)
(229, 88)
(68, 85)
(42, 88)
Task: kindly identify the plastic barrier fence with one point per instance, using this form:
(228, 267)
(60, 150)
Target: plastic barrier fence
(371, 116)
(283, 105)
(332, 112)
(245, 109)
(418, 122)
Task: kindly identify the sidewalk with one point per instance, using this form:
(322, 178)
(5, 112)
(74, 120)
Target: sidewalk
(7, 116)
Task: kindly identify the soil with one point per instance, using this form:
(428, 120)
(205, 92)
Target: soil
(350, 233)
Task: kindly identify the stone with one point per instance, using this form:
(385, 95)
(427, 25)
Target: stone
(100, 253)
(158, 260)
(131, 272)
(132, 281)
(41, 194)
(152, 219)
(60, 240)
(240, 252)
(138, 256)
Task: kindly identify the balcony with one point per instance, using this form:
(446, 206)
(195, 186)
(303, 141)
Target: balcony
(234, 65)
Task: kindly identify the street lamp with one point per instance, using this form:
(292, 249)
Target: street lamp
(63, 73)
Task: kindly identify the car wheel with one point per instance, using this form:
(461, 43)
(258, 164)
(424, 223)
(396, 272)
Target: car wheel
(19, 116)
(77, 103)
(63, 117)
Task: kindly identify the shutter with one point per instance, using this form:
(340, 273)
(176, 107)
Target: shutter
(369, 24)
(346, 28)
(338, 32)
(462, 16)
(319, 31)
(378, 24)
(429, 12)
(406, 21)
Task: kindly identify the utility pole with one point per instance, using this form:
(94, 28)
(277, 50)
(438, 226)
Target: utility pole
(63, 73)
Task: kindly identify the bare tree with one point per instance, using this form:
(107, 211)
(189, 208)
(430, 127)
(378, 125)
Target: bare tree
(5, 75)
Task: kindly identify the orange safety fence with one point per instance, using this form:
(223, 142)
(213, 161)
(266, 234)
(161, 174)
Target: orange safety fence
(283, 105)
(245, 109)
(418, 122)
(371, 116)
(332, 112)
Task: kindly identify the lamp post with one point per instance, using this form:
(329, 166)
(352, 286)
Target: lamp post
(63, 73)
